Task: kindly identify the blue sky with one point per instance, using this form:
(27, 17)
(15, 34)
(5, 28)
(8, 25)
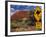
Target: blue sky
(21, 7)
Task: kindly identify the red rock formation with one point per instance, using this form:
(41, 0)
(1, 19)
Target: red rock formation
(19, 15)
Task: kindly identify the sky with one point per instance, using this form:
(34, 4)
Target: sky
(21, 7)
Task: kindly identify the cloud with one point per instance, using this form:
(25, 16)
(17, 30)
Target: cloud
(12, 10)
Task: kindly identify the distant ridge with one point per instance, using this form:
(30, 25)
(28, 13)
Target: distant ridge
(20, 15)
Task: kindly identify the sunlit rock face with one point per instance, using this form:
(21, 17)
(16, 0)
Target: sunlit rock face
(20, 15)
